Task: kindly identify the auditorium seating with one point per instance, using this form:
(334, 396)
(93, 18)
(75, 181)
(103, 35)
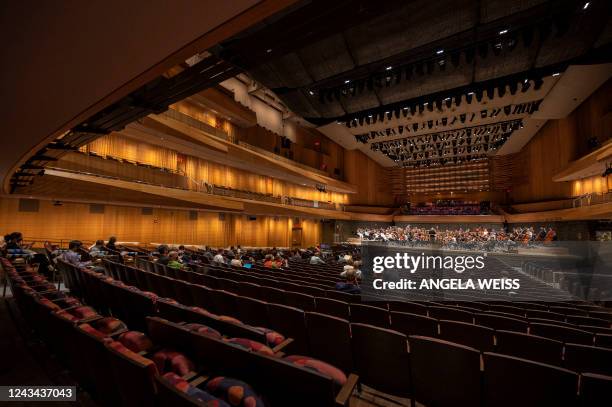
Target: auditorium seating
(511, 381)
(595, 390)
(347, 343)
(381, 359)
(529, 346)
(444, 373)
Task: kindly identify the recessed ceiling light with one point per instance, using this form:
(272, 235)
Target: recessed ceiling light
(440, 52)
(504, 31)
(526, 80)
(369, 115)
(586, 5)
(347, 81)
(311, 92)
(425, 104)
(389, 68)
(556, 74)
(269, 50)
(470, 93)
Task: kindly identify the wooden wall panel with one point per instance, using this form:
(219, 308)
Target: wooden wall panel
(73, 221)
(557, 144)
(195, 168)
(596, 184)
(371, 179)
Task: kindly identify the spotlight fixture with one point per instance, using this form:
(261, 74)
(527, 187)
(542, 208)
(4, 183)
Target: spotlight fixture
(504, 31)
(311, 93)
(388, 68)
(586, 5)
(440, 52)
(347, 81)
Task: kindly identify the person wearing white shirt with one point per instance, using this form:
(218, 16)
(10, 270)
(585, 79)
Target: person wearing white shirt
(219, 257)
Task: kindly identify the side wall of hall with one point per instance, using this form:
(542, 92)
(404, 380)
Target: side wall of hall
(557, 144)
(75, 221)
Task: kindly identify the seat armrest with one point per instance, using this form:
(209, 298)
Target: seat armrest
(282, 345)
(344, 395)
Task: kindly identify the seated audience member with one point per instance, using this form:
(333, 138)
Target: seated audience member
(183, 256)
(111, 243)
(354, 267)
(163, 254)
(350, 285)
(269, 262)
(348, 265)
(15, 246)
(98, 249)
(315, 259)
(248, 262)
(551, 235)
(72, 256)
(173, 260)
(296, 255)
(236, 262)
(219, 259)
(280, 261)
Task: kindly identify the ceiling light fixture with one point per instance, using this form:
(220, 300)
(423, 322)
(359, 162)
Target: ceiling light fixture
(504, 31)
(586, 5)
(347, 81)
(556, 74)
(440, 52)
(389, 68)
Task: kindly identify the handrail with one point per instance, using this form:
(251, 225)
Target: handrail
(205, 187)
(592, 198)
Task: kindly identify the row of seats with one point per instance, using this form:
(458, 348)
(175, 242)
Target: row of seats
(498, 316)
(310, 386)
(327, 337)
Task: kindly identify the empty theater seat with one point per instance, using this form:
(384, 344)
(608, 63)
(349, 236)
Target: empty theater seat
(595, 390)
(444, 373)
(381, 359)
(510, 381)
(413, 324)
(475, 336)
(527, 346)
(588, 359)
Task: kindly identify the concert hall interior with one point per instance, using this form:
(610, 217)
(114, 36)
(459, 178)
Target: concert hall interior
(288, 203)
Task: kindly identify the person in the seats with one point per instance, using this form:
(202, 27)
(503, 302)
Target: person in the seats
(296, 255)
(163, 255)
(183, 256)
(315, 259)
(98, 249)
(354, 266)
(351, 285)
(72, 256)
(269, 262)
(236, 261)
(219, 258)
(173, 260)
(111, 243)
